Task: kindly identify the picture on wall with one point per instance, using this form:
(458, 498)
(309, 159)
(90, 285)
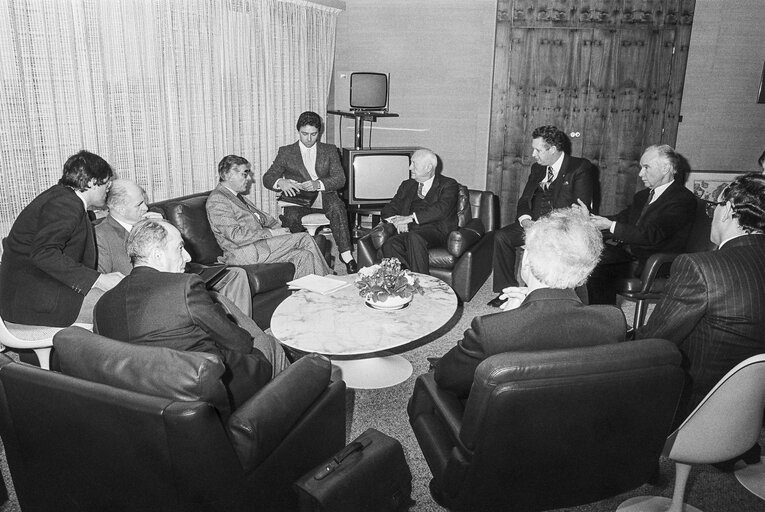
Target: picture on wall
(708, 184)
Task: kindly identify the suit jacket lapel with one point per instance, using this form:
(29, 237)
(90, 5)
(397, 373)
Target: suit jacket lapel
(298, 155)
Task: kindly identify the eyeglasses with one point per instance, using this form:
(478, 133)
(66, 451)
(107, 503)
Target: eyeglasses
(711, 206)
(248, 172)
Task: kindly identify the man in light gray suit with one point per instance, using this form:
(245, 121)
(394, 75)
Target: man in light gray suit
(127, 206)
(248, 235)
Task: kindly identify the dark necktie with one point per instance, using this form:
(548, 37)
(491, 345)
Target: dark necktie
(550, 176)
(645, 206)
(260, 216)
(419, 191)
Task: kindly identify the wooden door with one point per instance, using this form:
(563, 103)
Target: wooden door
(607, 72)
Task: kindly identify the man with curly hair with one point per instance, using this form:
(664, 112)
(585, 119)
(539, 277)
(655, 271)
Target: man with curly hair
(714, 304)
(562, 248)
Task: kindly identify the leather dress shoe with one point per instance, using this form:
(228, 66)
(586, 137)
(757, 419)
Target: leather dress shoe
(351, 266)
(751, 456)
(496, 301)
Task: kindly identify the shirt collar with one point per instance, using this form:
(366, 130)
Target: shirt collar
(128, 227)
(660, 190)
(304, 148)
(558, 163)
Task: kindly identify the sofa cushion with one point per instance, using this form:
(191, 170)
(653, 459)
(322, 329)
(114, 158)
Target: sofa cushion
(151, 370)
(190, 217)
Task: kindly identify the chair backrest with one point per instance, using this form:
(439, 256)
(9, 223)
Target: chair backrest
(727, 421)
(189, 215)
(698, 238)
(73, 444)
(485, 206)
(560, 428)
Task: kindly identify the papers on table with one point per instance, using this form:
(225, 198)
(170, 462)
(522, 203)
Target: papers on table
(318, 284)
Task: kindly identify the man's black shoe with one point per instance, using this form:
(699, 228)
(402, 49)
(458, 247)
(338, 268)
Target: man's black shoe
(496, 301)
(351, 266)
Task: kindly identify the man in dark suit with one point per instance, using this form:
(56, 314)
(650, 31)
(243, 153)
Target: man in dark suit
(714, 303)
(562, 248)
(423, 211)
(159, 304)
(310, 165)
(557, 180)
(658, 220)
(48, 273)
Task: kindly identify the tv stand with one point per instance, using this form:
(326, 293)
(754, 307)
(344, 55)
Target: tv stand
(359, 116)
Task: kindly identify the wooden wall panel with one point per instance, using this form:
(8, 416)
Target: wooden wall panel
(601, 71)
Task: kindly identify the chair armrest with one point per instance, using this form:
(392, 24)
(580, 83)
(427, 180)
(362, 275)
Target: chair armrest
(654, 265)
(264, 277)
(462, 239)
(430, 399)
(259, 425)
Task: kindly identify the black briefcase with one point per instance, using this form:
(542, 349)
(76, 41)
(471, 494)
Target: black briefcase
(370, 475)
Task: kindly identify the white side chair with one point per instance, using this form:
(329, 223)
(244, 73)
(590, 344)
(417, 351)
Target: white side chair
(312, 221)
(33, 337)
(725, 424)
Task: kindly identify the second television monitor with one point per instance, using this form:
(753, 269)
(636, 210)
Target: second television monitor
(373, 175)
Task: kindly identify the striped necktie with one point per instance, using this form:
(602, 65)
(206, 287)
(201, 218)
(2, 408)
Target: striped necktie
(260, 216)
(550, 176)
(645, 206)
(419, 191)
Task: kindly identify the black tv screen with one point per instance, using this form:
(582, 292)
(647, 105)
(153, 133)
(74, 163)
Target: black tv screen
(369, 91)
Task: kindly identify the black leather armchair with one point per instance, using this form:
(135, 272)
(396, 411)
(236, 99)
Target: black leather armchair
(466, 262)
(549, 429)
(649, 287)
(268, 281)
(129, 427)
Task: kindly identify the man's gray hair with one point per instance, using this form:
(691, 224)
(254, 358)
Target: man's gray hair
(562, 248)
(146, 236)
(427, 156)
(668, 154)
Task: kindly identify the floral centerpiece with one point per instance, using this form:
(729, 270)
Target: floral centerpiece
(386, 284)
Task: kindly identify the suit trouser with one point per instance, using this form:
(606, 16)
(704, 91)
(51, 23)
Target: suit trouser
(506, 241)
(236, 287)
(615, 264)
(338, 221)
(301, 250)
(411, 248)
(266, 343)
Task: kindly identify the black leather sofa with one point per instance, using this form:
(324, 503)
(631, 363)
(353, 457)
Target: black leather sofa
(268, 281)
(466, 261)
(549, 429)
(129, 427)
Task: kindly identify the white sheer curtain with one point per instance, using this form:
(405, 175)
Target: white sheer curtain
(162, 89)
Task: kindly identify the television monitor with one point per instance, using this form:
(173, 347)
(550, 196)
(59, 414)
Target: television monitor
(373, 175)
(369, 91)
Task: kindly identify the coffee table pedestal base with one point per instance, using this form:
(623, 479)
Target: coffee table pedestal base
(374, 372)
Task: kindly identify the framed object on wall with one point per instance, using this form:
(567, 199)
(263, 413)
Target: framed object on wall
(761, 96)
(708, 184)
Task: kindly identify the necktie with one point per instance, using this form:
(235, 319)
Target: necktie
(645, 206)
(260, 216)
(550, 176)
(419, 191)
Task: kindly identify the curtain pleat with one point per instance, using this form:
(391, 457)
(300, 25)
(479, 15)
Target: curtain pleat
(162, 89)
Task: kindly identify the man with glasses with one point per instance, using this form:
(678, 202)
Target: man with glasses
(658, 220)
(248, 235)
(714, 303)
(48, 273)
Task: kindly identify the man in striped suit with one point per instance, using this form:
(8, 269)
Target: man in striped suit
(714, 305)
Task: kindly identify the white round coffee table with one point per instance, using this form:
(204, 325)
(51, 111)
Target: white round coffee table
(340, 325)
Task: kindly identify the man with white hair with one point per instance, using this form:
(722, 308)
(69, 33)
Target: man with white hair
(127, 205)
(159, 304)
(423, 212)
(562, 248)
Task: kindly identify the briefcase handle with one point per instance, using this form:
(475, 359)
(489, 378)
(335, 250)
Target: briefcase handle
(341, 456)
